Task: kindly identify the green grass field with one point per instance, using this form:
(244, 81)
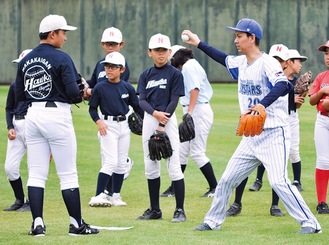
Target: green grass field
(253, 226)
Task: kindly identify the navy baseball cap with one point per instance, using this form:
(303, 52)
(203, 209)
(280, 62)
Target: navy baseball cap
(248, 25)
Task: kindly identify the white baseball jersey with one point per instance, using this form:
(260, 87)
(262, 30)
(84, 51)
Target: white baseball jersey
(255, 82)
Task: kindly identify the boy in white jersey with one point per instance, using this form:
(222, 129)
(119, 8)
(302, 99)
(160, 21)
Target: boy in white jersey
(261, 81)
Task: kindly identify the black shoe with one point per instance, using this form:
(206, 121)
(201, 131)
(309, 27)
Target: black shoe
(38, 231)
(179, 216)
(209, 193)
(16, 205)
(322, 208)
(298, 185)
(168, 193)
(256, 186)
(234, 209)
(275, 210)
(25, 208)
(84, 229)
(150, 214)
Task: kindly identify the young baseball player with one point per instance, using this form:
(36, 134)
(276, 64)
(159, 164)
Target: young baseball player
(16, 144)
(113, 99)
(318, 96)
(291, 63)
(48, 81)
(159, 89)
(261, 82)
(111, 41)
(196, 102)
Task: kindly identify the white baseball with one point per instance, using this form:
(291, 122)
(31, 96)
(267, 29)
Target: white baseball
(185, 37)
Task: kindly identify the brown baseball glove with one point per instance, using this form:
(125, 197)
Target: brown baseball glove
(303, 83)
(252, 122)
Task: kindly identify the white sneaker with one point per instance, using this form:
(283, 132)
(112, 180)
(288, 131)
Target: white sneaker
(130, 166)
(102, 200)
(117, 201)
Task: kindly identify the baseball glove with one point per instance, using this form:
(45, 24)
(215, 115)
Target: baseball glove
(303, 83)
(252, 122)
(186, 128)
(82, 85)
(135, 123)
(159, 146)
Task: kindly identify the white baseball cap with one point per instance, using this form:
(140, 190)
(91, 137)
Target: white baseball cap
(174, 50)
(159, 41)
(22, 55)
(294, 54)
(279, 50)
(114, 58)
(112, 34)
(54, 22)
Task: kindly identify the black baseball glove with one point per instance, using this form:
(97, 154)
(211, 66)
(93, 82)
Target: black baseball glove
(82, 85)
(135, 123)
(186, 128)
(159, 146)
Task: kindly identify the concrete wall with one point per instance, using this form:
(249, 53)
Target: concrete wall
(299, 24)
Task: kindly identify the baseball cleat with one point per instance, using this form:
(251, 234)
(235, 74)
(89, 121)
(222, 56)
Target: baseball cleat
(298, 185)
(150, 214)
(209, 193)
(234, 209)
(179, 216)
(256, 186)
(39, 230)
(322, 208)
(25, 208)
(84, 229)
(169, 192)
(116, 200)
(102, 200)
(275, 210)
(16, 205)
(203, 227)
(308, 230)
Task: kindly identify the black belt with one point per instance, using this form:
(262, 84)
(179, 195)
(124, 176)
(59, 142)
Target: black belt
(115, 118)
(197, 104)
(19, 117)
(48, 104)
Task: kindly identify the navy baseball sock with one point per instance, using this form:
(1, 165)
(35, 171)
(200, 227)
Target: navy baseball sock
(260, 172)
(239, 191)
(154, 192)
(102, 181)
(109, 186)
(208, 173)
(296, 169)
(275, 198)
(18, 188)
(72, 202)
(117, 180)
(179, 187)
(36, 195)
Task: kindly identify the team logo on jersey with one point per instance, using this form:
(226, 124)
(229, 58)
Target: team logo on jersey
(101, 74)
(161, 83)
(248, 88)
(37, 82)
(123, 96)
(279, 73)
